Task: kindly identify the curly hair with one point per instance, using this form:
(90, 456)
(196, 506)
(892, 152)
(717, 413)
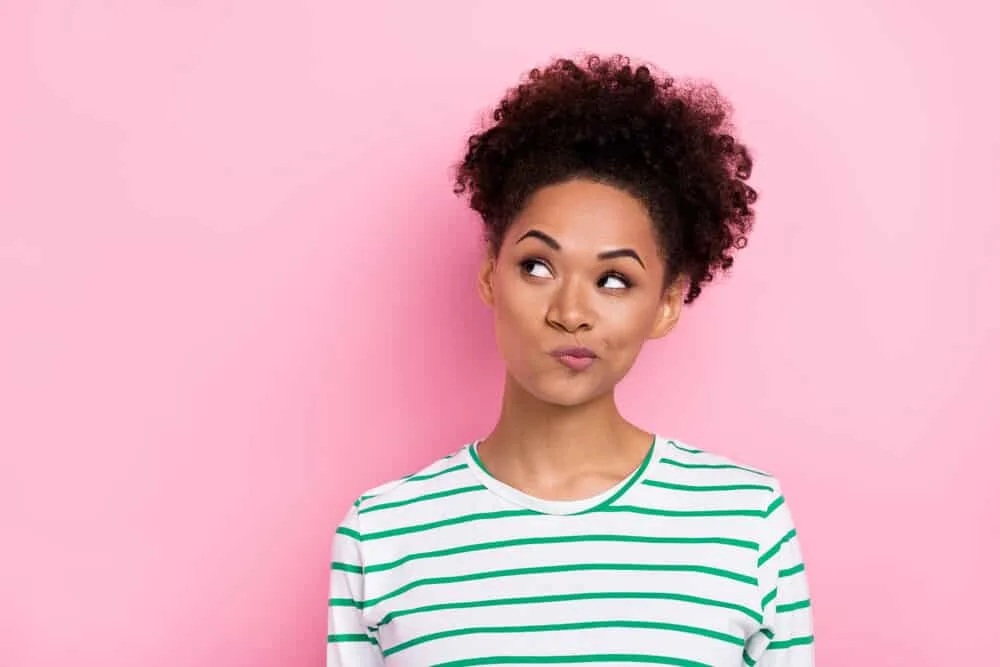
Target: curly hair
(668, 143)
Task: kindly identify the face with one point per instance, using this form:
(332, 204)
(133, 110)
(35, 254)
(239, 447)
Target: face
(577, 288)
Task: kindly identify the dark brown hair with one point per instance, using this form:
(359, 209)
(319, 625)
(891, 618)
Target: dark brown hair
(670, 144)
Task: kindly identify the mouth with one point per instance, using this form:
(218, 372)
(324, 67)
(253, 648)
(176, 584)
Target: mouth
(576, 358)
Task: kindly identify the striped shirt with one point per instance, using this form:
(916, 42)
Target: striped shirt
(691, 560)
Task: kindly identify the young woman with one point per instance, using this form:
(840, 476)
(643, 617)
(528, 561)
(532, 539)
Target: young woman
(610, 195)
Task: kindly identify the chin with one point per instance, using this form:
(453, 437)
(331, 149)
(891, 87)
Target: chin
(566, 393)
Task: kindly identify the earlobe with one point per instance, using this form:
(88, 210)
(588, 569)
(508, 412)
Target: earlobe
(484, 281)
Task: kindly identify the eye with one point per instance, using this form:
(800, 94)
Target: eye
(614, 281)
(536, 268)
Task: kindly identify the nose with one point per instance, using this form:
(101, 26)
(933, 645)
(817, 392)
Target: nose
(570, 309)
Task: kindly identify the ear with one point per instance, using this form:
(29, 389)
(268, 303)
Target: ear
(484, 281)
(670, 308)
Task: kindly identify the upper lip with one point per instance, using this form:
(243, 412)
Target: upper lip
(573, 352)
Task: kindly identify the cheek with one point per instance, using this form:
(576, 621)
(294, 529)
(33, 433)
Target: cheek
(627, 328)
(512, 324)
(515, 306)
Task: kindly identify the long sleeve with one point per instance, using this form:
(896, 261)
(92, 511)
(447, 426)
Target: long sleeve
(349, 642)
(786, 635)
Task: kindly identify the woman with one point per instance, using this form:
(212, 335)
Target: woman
(610, 195)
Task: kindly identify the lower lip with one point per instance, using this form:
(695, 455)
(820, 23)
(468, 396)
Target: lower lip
(576, 363)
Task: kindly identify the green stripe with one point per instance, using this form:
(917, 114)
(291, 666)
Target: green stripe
(773, 551)
(417, 478)
(793, 606)
(347, 567)
(474, 454)
(636, 476)
(747, 660)
(345, 602)
(560, 539)
(423, 498)
(454, 521)
(569, 597)
(689, 450)
(714, 466)
(561, 627)
(432, 475)
(349, 532)
(351, 638)
(767, 599)
(792, 570)
(506, 514)
(556, 569)
(682, 513)
(789, 643)
(778, 502)
(573, 659)
(719, 487)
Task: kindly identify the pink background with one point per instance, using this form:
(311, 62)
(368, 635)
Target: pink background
(236, 290)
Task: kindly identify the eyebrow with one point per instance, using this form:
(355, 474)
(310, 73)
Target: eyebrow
(607, 254)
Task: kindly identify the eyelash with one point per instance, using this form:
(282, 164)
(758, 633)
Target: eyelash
(526, 263)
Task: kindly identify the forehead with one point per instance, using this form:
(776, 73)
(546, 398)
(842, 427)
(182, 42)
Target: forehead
(587, 214)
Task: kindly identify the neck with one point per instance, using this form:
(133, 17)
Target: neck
(542, 440)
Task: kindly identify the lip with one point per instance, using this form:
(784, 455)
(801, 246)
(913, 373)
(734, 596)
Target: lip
(583, 352)
(576, 358)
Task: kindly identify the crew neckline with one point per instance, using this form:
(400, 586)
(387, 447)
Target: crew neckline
(560, 507)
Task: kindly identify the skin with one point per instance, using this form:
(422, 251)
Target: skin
(579, 266)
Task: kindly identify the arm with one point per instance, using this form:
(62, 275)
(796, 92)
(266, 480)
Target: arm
(786, 635)
(349, 642)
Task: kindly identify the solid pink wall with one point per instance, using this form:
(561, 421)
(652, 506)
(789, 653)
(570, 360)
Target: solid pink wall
(236, 291)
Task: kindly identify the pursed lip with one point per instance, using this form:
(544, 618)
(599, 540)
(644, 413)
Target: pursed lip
(579, 352)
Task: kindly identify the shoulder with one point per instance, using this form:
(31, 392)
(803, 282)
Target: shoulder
(437, 475)
(708, 466)
(709, 471)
